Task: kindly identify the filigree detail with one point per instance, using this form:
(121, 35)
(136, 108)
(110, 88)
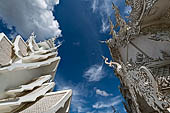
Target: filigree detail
(136, 76)
(160, 36)
(137, 9)
(156, 30)
(149, 5)
(145, 85)
(141, 81)
(119, 39)
(127, 30)
(120, 22)
(140, 8)
(164, 82)
(148, 88)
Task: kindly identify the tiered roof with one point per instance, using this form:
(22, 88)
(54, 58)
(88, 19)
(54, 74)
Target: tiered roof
(26, 76)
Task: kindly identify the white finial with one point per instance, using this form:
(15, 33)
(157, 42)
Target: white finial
(59, 44)
(113, 64)
(33, 35)
(101, 41)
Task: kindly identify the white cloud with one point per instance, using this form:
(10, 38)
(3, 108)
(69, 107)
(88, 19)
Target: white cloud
(94, 5)
(29, 16)
(105, 25)
(104, 9)
(106, 104)
(94, 73)
(102, 93)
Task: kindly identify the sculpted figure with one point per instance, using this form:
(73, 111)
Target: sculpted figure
(113, 64)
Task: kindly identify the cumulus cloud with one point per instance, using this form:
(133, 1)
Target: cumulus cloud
(102, 93)
(106, 104)
(94, 73)
(28, 16)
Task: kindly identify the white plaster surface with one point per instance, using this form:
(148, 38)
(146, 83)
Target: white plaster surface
(150, 47)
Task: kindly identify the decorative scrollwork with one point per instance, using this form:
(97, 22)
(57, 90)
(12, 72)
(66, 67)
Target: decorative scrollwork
(140, 8)
(137, 9)
(164, 82)
(139, 79)
(149, 5)
(148, 88)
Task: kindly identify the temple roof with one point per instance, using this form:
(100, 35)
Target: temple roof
(50, 103)
(158, 14)
(38, 82)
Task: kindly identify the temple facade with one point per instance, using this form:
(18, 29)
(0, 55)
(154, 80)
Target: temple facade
(27, 71)
(141, 55)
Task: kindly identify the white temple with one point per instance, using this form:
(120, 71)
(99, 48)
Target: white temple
(141, 54)
(27, 71)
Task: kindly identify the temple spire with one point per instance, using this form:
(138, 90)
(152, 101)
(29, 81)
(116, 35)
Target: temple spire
(112, 31)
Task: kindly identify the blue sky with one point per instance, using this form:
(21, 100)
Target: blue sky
(83, 24)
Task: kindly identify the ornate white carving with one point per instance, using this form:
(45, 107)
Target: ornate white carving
(113, 64)
(20, 47)
(141, 81)
(23, 64)
(30, 86)
(137, 78)
(8, 105)
(148, 88)
(33, 46)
